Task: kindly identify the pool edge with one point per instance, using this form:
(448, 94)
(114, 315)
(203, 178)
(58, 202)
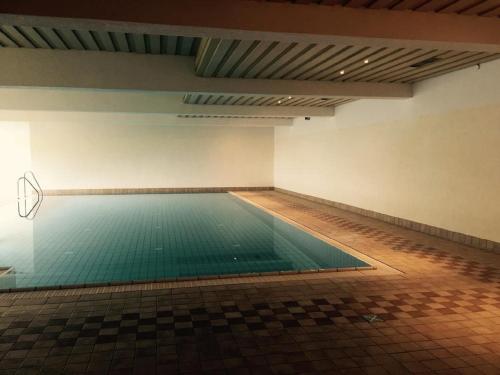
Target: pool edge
(372, 262)
(257, 276)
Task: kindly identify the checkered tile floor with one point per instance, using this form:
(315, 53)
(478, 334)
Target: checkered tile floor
(445, 323)
(390, 239)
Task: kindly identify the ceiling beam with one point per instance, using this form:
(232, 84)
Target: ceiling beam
(172, 74)
(138, 119)
(260, 20)
(134, 102)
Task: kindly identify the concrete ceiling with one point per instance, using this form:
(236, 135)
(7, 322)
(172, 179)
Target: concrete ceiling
(321, 62)
(329, 42)
(328, 62)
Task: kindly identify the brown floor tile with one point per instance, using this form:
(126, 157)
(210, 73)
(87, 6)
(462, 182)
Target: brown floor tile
(440, 304)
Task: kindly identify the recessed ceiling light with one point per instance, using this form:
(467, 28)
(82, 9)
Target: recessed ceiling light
(289, 97)
(342, 72)
(367, 61)
(279, 101)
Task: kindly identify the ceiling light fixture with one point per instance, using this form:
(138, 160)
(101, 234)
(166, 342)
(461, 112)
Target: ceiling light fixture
(279, 101)
(367, 61)
(342, 72)
(289, 97)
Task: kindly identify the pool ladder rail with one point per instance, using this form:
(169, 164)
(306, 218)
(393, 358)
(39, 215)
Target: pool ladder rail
(22, 196)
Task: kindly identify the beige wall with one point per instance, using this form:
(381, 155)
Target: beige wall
(434, 159)
(98, 155)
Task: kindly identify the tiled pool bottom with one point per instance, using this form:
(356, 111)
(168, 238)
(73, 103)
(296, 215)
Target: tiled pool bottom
(77, 240)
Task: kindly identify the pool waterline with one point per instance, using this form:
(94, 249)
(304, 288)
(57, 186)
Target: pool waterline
(156, 237)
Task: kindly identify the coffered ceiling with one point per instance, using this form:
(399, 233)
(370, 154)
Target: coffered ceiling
(22, 36)
(271, 48)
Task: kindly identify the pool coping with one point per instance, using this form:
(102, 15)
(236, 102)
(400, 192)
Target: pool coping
(182, 279)
(193, 283)
(224, 279)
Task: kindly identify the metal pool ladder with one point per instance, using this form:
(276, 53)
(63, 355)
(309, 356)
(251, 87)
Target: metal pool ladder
(22, 196)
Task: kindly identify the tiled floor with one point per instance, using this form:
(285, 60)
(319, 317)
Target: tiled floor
(441, 314)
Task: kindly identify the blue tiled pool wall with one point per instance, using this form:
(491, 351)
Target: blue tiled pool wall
(96, 239)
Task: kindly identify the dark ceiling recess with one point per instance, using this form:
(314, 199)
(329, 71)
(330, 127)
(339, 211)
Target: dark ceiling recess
(486, 8)
(425, 62)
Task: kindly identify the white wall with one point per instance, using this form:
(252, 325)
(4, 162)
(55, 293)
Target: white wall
(98, 155)
(434, 159)
(15, 158)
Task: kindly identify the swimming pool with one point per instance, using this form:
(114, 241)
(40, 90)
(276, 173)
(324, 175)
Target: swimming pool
(119, 238)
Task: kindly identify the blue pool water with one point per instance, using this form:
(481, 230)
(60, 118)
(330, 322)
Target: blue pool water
(116, 238)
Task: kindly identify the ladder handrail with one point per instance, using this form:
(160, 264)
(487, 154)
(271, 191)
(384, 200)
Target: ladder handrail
(39, 196)
(40, 191)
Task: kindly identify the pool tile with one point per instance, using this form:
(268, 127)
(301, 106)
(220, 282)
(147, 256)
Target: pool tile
(97, 240)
